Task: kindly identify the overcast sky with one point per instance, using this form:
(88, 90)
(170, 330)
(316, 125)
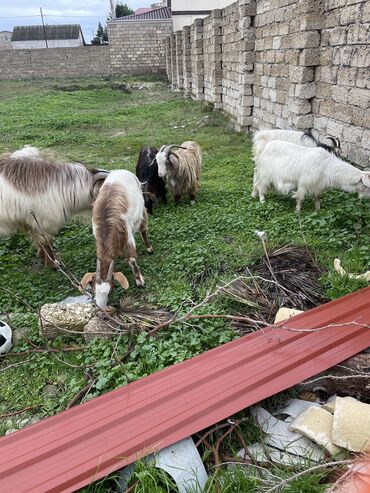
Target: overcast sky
(85, 12)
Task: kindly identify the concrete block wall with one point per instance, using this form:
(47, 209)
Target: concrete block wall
(197, 59)
(186, 60)
(342, 102)
(138, 47)
(286, 64)
(213, 70)
(60, 63)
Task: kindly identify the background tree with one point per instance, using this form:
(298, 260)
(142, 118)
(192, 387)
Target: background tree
(122, 9)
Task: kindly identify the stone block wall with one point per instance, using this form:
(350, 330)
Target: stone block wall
(284, 64)
(61, 63)
(342, 101)
(212, 36)
(138, 47)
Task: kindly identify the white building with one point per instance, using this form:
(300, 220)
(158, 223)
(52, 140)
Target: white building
(184, 12)
(58, 36)
(5, 37)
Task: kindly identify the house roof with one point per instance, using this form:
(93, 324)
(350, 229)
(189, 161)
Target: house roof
(53, 32)
(143, 10)
(83, 444)
(163, 13)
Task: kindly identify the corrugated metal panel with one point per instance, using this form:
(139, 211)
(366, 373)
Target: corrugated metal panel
(36, 33)
(163, 13)
(83, 444)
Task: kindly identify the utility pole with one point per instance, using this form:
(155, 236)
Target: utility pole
(43, 25)
(113, 9)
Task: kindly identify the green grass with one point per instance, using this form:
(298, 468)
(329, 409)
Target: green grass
(196, 248)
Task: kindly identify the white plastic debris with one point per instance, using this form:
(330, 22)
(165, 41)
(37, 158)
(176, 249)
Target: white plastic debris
(5, 337)
(262, 235)
(265, 454)
(279, 436)
(295, 407)
(181, 461)
(83, 298)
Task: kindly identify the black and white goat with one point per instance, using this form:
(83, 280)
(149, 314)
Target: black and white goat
(292, 168)
(118, 213)
(154, 187)
(39, 194)
(181, 169)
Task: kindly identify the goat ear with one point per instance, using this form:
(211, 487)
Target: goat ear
(172, 158)
(366, 179)
(87, 279)
(121, 279)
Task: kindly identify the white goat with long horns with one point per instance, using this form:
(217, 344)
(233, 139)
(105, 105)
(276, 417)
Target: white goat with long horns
(39, 194)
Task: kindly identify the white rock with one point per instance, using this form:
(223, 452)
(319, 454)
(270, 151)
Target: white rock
(64, 319)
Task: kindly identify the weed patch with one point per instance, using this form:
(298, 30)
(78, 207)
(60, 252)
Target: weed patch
(195, 248)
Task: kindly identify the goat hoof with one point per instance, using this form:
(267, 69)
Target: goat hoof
(150, 250)
(192, 202)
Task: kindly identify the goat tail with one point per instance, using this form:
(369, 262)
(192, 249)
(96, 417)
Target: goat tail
(259, 143)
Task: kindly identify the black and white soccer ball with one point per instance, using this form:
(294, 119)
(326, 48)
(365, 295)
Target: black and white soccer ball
(5, 337)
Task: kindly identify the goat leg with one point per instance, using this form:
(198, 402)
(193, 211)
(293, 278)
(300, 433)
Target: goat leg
(144, 233)
(46, 253)
(139, 280)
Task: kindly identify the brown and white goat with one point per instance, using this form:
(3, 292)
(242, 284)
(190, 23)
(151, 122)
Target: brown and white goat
(39, 194)
(118, 213)
(181, 169)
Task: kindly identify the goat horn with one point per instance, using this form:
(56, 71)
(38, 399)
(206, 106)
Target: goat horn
(98, 269)
(333, 140)
(167, 149)
(110, 271)
(100, 175)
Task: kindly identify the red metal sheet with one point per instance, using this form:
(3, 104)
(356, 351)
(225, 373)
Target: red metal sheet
(83, 444)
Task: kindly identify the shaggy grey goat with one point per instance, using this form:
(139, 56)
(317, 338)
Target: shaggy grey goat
(181, 169)
(39, 194)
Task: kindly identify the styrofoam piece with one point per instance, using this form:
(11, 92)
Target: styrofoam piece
(181, 461)
(5, 337)
(329, 405)
(285, 313)
(316, 424)
(265, 454)
(351, 424)
(278, 435)
(295, 407)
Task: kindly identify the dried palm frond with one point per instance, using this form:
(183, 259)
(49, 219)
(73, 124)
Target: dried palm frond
(141, 316)
(287, 276)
